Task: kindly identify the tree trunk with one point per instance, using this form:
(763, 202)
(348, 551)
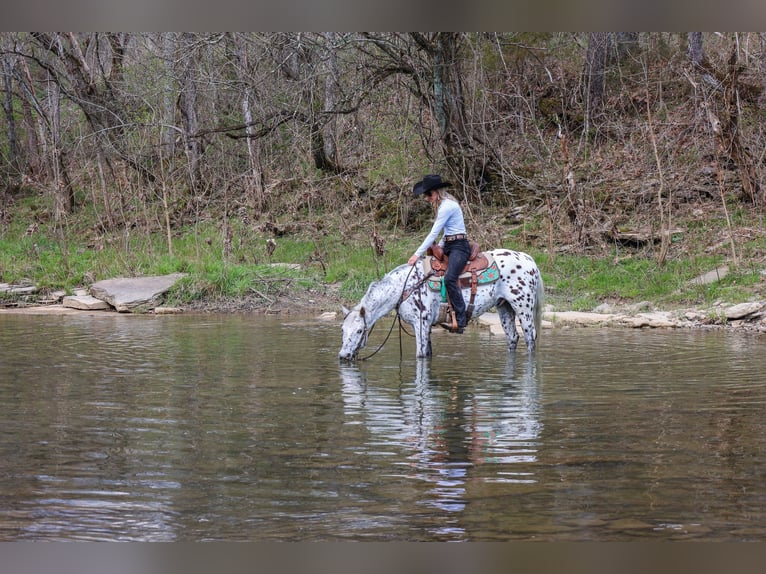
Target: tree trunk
(694, 49)
(34, 164)
(730, 140)
(595, 69)
(469, 164)
(13, 143)
(256, 189)
(63, 195)
(167, 133)
(37, 158)
(762, 99)
(330, 129)
(188, 107)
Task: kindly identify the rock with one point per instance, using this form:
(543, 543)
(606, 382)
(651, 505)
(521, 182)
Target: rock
(53, 298)
(42, 310)
(655, 320)
(328, 316)
(640, 307)
(167, 310)
(743, 310)
(711, 276)
(492, 321)
(137, 293)
(17, 289)
(695, 316)
(495, 328)
(579, 318)
(85, 302)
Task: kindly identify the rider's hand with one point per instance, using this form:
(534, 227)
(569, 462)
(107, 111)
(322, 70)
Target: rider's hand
(414, 259)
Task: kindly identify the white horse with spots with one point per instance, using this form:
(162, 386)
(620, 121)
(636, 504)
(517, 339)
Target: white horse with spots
(518, 292)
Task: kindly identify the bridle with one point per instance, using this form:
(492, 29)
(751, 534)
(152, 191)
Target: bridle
(402, 297)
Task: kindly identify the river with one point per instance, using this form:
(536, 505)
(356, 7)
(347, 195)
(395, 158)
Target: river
(245, 427)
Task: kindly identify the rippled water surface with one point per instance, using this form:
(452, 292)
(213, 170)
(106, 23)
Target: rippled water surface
(247, 428)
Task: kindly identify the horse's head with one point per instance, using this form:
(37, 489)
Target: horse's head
(354, 333)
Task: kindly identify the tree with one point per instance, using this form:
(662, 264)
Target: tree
(433, 62)
(244, 76)
(13, 160)
(694, 50)
(187, 103)
(91, 85)
(595, 70)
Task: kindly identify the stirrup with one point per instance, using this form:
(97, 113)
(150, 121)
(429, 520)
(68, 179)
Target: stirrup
(452, 328)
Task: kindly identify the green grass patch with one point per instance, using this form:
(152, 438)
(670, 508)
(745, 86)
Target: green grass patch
(581, 283)
(244, 267)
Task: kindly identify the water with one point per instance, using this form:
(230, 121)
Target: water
(194, 428)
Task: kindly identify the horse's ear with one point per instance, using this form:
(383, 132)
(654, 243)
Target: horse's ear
(362, 312)
(345, 310)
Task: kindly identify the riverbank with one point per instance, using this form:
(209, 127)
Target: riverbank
(325, 305)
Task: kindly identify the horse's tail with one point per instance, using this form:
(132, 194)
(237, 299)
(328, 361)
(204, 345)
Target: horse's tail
(538, 309)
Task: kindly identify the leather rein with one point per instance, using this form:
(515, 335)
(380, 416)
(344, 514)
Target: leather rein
(402, 297)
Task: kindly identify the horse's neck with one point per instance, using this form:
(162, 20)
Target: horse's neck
(385, 294)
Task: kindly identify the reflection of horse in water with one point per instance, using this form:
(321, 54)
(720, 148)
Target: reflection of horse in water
(451, 432)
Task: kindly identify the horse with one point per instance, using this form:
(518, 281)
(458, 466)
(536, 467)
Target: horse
(516, 292)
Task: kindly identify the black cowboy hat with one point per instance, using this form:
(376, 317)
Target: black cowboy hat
(429, 183)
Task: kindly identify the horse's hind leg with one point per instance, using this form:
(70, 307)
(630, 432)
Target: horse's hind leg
(526, 318)
(508, 320)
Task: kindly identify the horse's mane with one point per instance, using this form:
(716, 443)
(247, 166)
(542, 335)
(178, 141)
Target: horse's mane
(386, 283)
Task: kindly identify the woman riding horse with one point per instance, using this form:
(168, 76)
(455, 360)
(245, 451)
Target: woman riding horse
(449, 218)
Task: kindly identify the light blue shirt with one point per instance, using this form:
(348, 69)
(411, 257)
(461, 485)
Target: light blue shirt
(449, 218)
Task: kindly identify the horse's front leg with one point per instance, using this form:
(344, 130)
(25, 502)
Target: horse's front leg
(422, 329)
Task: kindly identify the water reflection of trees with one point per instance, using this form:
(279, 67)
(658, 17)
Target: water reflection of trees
(454, 432)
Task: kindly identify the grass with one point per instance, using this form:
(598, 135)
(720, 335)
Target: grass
(573, 281)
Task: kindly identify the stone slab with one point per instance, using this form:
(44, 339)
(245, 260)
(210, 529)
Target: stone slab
(711, 276)
(580, 318)
(17, 289)
(128, 293)
(85, 302)
(743, 310)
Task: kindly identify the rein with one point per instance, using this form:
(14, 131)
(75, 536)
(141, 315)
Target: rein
(402, 297)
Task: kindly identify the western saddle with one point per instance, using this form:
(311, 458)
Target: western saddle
(478, 263)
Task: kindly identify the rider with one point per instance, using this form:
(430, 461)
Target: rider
(449, 218)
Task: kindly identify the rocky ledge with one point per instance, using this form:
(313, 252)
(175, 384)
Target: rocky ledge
(144, 294)
(124, 295)
(748, 316)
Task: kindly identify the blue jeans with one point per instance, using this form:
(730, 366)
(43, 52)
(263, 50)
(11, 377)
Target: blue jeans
(458, 252)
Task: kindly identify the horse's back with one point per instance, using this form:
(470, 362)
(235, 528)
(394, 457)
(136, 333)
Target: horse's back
(506, 257)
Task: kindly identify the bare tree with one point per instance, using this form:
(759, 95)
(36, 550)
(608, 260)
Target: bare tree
(244, 76)
(187, 102)
(331, 96)
(595, 70)
(168, 133)
(63, 192)
(80, 73)
(694, 50)
(762, 37)
(433, 62)
(13, 160)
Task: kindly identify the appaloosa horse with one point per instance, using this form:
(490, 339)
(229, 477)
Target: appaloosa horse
(515, 288)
